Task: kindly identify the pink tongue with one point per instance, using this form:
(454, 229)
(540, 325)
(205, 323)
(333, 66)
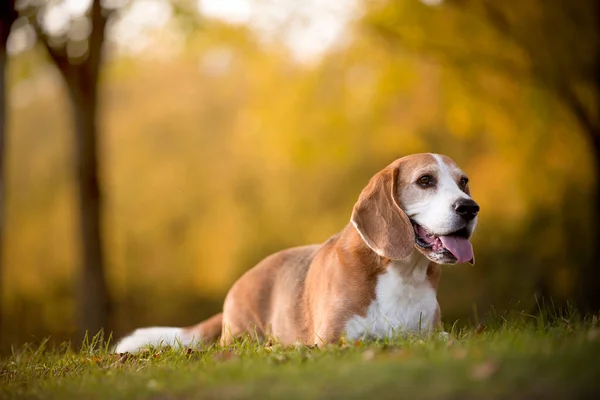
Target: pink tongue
(460, 247)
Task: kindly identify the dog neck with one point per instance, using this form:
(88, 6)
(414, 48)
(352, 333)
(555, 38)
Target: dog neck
(387, 295)
(352, 250)
(413, 268)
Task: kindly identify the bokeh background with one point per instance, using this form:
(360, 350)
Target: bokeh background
(230, 129)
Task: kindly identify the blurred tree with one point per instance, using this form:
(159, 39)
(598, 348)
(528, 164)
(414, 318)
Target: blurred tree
(77, 53)
(551, 45)
(560, 42)
(8, 15)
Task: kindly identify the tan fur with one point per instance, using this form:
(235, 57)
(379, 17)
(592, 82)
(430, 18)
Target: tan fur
(307, 294)
(380, 220)
(208, 330)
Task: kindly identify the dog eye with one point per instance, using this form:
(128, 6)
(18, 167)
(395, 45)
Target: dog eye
(463, 182)
(425, 181)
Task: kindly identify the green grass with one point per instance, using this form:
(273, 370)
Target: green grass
(518, 358)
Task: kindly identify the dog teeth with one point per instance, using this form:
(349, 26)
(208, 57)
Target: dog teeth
(437, 244)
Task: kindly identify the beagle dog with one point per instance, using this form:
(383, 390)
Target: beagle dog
(376, 278)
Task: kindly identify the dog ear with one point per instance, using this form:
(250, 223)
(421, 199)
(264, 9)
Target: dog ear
(380, 221)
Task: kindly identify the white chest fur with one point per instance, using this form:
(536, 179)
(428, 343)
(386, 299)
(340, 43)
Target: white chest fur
(404, 302)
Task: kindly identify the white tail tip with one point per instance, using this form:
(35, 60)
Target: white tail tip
(155, 336)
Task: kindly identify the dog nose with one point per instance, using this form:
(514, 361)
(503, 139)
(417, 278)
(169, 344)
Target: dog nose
(466, 208)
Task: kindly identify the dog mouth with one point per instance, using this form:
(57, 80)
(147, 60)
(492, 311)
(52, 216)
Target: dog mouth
(455, 244)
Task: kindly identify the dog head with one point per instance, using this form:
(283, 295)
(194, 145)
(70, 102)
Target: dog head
(420, 201)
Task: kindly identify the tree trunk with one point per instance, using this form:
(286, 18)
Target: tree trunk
(3, 109)
(590, 275)
(82, 82)
(7, 17)
(81, 77)
(94, 298)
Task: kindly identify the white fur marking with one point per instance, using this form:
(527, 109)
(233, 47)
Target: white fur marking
(404, 302)
(155, 336)
(435, 212)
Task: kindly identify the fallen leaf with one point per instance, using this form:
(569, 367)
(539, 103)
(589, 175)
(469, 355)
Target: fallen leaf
(484, 371)
(480, 328)
(397, 353)
(368, 355)
(225, 355)
(459, 354)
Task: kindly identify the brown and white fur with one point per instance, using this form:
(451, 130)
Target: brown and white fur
(376, 278)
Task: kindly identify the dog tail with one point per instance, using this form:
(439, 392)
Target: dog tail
(207, 331)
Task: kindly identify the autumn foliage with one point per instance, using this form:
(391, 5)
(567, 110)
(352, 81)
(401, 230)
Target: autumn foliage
(226, 150)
